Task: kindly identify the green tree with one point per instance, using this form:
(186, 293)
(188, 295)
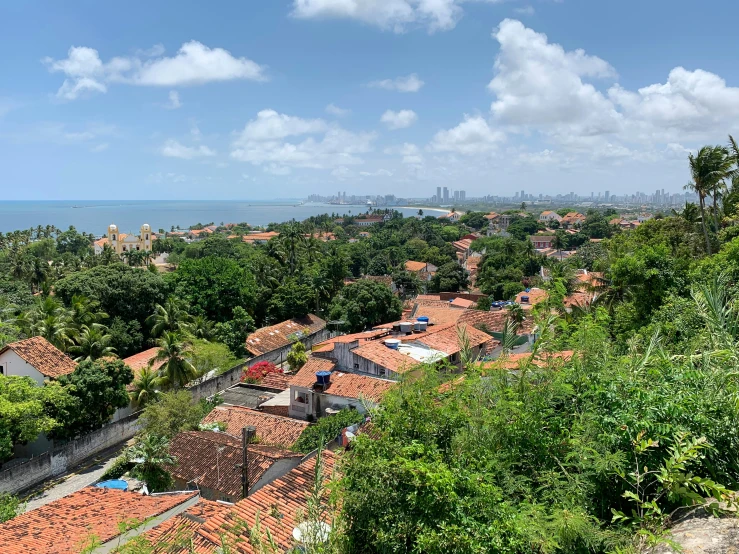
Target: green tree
(92, 343)
(365, 304)
(150, 455)
(233, 333)
(326, 429)
(145, 387)
(297, 357)
(10, 506)
(291, 299)
(173, 412)
(126, 337)
(177, 370)
(450, 277)
(170, 317)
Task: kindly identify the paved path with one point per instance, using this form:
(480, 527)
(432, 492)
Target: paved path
(87, 473)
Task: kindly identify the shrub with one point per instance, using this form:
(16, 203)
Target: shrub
(259, 371)
(327, 429)
(119, 467)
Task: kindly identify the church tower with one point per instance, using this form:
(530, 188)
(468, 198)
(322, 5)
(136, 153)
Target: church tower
(113, 237)
(145, 237)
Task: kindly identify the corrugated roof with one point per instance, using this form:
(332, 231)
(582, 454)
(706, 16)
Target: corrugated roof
(61, 526)
(44, 356)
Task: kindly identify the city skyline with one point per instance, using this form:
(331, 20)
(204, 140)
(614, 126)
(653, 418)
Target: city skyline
(259, 102)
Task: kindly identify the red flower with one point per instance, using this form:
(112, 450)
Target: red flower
(259, 371)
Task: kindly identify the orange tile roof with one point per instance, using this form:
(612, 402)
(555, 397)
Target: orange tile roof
(463, 244)
(210, 459)
(178, 531)
(254, 237)
(364, 336)
(60, 527)
(283, 334)
(388, 358)
(144, 359)
(513, 361)
(277, 381)
(410, 265)
(44, 356)
(535, 296)
(346, 385)
(428, 297)
(447, 340)
(462, 303)
(491, 215)
(101, 242)
(279, 506)
(493, 321)
(271, 429)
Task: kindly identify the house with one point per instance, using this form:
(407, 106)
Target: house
(451, 216)
(572, 219)
(492, 216)
(176, 532)
(270, 429)
(258, 237)
(542, 242)
(66, 525)
(197, 234)
(463, 248)
(368, 221)
(309, 400)
(36, 358)
(424, 270)
(123, 242)
(643, 217)
(208, 461)
(145, 359)
(274, 342)
(531, 297)
(548, 216)
(463, 303)
(280, 507)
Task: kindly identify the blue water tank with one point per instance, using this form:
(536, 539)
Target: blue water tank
(119, 484)
(423, 318)
(323, 377)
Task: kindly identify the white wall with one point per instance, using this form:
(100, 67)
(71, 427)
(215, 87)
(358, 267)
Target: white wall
(14, 365)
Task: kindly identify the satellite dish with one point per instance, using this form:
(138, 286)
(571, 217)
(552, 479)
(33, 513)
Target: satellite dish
(311, 532)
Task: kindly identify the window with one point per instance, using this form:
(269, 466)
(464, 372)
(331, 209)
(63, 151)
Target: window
(356, 365)
(453, 358)
(382, 372)
(2, 370)
(147, 236)
(301, 397)
(112, 238)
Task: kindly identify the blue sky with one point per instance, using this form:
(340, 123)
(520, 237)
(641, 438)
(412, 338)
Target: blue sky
(260, 99)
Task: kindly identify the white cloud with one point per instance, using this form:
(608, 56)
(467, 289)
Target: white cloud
(525, 10)
(399, 120)
(153, 52)
(100, 147)
(391, 15)
(194, 64)
(538, 83)
(410, 83)
(336, 111)
(276, 169)
(379, 173)
(472, 136)
(175, 149)
(174, 100)
(264, 141)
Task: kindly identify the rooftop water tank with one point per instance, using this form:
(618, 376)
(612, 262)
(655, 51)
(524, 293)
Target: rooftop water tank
(405, 326)
(423, 318)
(392, 343)
(416, 325)
(323, 377)
(118, 484)
(525, 299)
(422, 325)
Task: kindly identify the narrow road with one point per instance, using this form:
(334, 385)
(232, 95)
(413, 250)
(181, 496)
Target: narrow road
(89, 472)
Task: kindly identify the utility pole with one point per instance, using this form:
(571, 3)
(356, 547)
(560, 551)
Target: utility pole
(247, 433)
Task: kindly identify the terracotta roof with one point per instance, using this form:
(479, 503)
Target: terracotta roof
(493, 321)
(535, 296)
(463, 244)
(44, 356)
(462, 303)
(347, 385)
(177, 532)
(144, 359)
(279, 506)
(271, 429)
(491, 215)
(388, 358)
(210, 459)
(276, 381)
(410, 265)
(283, 334)
(578, 298)
(61, 526)
(428, 297)
(101, 242)
(513, 361)
(265, 236)
(447, 340)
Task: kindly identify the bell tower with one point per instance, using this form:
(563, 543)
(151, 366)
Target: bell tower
(145, 237)
(113, 237)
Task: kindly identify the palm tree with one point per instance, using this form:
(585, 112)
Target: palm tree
(558, 244)
(92, 343)
(516, 315)
(169, 317)
(177, 370)
(151, 455)
(202, 327)
(86, 312)
(145, 387)
(292, 239)
(708, 168)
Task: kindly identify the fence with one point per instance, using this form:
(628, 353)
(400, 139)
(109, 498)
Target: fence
(58, 460)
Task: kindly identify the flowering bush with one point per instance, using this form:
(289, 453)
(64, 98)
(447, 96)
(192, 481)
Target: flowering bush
(259, 371)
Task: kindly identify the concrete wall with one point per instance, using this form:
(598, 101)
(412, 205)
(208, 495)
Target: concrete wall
(14, 365)
(64, 457)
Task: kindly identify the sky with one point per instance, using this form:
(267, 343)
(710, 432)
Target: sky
(264, 99)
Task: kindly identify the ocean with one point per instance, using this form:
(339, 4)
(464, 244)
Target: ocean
(95, 216)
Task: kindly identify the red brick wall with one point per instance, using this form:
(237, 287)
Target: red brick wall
(275, 410)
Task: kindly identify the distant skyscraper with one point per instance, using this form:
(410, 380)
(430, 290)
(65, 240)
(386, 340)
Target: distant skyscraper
(446, 194)
(607, 195)
(523, 195)
(462, 195)
(438, 194)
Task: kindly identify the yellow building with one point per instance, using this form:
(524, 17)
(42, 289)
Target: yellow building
(123, 242)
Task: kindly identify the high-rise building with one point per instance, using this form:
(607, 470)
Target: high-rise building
(462, 195)
(438, 194)
(607, 195)
(446, 194)
(523, 195)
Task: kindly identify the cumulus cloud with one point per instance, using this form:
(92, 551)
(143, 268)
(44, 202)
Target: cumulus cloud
(193, 64)
(472, 136)
(399, 120)
(292, 141)
(175, 149)
(174, 100)
(336, 111)
(410, 83)
(391, 15)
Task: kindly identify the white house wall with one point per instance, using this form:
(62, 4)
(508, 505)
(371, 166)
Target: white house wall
(14, 365)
